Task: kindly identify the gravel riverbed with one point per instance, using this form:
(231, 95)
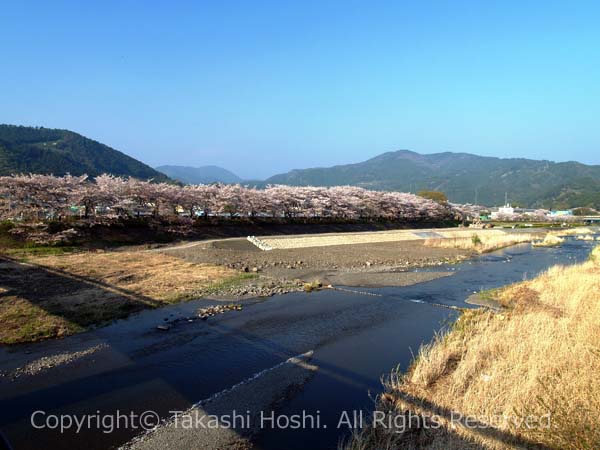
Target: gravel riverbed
(286, 270)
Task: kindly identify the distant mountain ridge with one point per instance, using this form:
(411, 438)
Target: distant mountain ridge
(465, 178)
(200, 175)
(58, 152)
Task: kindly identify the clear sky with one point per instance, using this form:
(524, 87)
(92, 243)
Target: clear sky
(261, 87)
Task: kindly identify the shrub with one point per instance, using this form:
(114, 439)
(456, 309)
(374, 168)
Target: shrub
(313, 286)
(436, 196)
(6, 225)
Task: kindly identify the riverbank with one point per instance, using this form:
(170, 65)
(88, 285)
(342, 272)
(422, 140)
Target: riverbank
(48, 294)
(522, 378)
(46, 297)
(111, 233)
(482, 242)
(61, 291)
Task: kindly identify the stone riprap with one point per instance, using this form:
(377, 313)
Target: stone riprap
(324, 240)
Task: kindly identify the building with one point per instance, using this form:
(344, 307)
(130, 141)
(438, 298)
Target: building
(561, 213)
(503, 212)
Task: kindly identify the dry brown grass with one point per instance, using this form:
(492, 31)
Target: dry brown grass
(155, 275)
(575, 231)
(586, 237)
(541, 356)
(482, 242)
(551, 240)
(59, 295)
(595, 255)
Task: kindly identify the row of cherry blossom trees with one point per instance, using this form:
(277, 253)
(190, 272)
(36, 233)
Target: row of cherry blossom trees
(33, 197)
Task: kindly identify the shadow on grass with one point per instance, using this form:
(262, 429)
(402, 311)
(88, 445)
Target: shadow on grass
(38, 302)
(421, 435)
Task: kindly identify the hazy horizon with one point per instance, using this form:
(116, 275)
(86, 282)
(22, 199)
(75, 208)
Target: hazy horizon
(346, 163)
(261, 89)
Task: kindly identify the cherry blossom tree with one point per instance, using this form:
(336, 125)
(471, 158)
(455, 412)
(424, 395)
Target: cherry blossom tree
(45, 196)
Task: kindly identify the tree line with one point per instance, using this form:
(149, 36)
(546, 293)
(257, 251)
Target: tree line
(35, 197)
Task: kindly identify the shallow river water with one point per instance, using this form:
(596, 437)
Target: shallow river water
(356, 339)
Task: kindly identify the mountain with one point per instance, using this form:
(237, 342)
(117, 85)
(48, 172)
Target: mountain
(58, 152)
(465, 178)
(200, 175)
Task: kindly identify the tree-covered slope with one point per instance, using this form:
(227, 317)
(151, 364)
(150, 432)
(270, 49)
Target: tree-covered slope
(58, 152)
(200, 175)
(465, 178)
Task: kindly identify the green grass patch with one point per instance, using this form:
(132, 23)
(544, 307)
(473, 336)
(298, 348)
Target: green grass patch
(489, 294)
(476, 240)
(42, 250)
(19, 249)
(24, 322)
(229, 283)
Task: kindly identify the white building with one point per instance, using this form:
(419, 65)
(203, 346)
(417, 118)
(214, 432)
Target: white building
(503, 212)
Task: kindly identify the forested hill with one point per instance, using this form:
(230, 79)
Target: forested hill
(200, 175)
(58, 152)
(465, 178)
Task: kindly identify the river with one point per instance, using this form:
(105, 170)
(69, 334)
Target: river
(355, 338)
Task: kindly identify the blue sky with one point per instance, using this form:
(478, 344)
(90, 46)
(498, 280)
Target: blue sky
(261, 87)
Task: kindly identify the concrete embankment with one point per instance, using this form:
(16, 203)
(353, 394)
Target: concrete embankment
(228, 419)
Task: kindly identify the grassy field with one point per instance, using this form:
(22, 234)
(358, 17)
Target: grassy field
(490, 240)
(523, 378)
(51, 296)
